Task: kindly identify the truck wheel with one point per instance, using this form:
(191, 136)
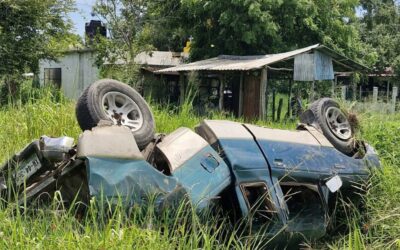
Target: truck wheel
(325, 114)
(112, 100)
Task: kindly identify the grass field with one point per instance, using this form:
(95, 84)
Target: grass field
(378, 227)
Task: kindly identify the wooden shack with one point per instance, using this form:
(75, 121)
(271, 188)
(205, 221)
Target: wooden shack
(310, 64)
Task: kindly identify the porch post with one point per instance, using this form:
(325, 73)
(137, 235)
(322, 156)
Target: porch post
(312, 91)
(334, 83)
(263, 93)
(394, 97)
(221, 92)
(289, 97)
(375, 95)
(240, 111)
(181, 88)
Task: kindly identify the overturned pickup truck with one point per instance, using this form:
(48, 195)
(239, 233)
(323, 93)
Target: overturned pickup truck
(285, 181)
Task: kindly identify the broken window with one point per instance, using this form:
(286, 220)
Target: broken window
(302, 200)
(52, 76)
(258, 201)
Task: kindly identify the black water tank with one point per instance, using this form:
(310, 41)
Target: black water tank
(93, 28)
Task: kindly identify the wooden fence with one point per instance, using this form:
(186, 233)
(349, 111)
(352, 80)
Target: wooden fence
(376, 101)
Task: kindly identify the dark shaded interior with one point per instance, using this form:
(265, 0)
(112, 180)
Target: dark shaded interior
(302, 201)
(258, 202)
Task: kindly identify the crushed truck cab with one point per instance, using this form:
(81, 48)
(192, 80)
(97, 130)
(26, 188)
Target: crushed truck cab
(280, 176)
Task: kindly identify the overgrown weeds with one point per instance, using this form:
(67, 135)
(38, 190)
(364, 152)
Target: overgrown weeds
(378, 226)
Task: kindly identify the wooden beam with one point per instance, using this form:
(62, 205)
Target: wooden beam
(334, 83)
(290, 95)
(342, 64)
(279, 69)
(273, 104)
(240, 111)
(263, 93)
(221, 92)
(394, 98)
(375, 95)
(312, 91)
(387, 90)
(181, 88)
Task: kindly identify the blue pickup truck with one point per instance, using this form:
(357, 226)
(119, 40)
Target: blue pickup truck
(283, 182)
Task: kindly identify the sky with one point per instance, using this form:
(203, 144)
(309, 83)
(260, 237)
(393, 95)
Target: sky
(82, 15)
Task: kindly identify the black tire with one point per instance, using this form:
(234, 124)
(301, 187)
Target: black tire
(316, 116)
(90, 108)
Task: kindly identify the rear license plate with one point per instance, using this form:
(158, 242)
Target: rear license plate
(27, 168)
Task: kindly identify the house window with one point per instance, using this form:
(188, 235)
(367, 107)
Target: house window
(258, 201)
(52, 76)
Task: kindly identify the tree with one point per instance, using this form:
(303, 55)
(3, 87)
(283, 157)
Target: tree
(239, 27)
(165, 27)
(255, 27)
(29, 30)
(124, 20)
(380, 28)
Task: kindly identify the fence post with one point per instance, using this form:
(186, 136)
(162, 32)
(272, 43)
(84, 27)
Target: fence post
(394, 96)
(334, 86)
(181, 88)
(273, 104)
(375, 95)
(312, 94)
(278, 115)
(344, 90)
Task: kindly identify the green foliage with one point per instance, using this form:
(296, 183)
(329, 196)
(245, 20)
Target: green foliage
(28, 31)
(255, 27)
(380, 29)
(232, 26)
(124, 20)
(378, 227)
(23, 92)
(164, 25)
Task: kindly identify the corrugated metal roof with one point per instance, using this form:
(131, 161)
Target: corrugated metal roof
(243, 63)
(160, 58)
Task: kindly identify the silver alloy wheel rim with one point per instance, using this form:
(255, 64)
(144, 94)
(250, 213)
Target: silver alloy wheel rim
(338, 123)
(122, 110)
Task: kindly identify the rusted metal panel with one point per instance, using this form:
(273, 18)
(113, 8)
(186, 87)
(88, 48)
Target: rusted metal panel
(313, 67)
(251, 96)
(323, 66)
(232, 62)
(303, 67)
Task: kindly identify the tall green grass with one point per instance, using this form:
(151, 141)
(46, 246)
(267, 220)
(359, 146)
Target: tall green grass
(21, 122)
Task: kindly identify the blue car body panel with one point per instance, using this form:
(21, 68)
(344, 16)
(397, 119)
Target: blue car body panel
(204, 176)
(131, 181)
(280, 157)
(310, 161)
(196, 168)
